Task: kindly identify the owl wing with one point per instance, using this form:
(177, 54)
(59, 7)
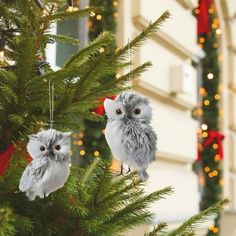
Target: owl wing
(140, 145)
(33, 173)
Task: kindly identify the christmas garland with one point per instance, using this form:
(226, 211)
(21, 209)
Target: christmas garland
(210, 138)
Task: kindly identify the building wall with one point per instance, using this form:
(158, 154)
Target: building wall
(227, 15)
(173, 45)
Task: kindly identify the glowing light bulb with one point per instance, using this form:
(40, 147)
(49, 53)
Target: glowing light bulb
(197, 11)
(204, 134)
(118, 75)
(82, 152)
(217, 158)
(215, 146)
(98, 17)
(217, 97)
(210, 76)
(116, 14)
(206, 102)
(201, 40)
(96, 153)
(115, 4)
(218, 31)
(207, 169)
(80, 142)
(211, 10)
(204, 127)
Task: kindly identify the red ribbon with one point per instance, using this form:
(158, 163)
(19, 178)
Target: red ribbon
(5, 158)
(203, 23)
(100, 110)
(215, 137)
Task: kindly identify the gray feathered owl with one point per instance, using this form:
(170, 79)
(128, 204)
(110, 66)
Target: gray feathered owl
(128, 131)
(49, 169)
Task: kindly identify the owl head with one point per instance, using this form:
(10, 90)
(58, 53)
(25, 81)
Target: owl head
(49, 143)
(129, 106)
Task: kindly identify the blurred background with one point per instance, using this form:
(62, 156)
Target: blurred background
(192, 89)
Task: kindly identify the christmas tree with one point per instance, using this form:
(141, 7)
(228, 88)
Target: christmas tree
(93, 201)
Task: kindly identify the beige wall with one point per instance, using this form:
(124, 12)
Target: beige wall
(227, 13)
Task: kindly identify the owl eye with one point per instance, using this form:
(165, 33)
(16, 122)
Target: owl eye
(42, 148)
(118, 111)
(58, 147)
(137, 111)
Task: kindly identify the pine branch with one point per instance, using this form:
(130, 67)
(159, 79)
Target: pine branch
(157, 230)
(188, 226)
(146, 33)
(75, 14)
(89, 171)
(6, 222)
(62, 39)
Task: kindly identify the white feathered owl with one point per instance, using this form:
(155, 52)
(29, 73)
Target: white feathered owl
(49, 169)
(128, 131)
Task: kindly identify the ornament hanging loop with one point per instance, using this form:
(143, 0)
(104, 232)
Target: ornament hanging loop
(51, 102)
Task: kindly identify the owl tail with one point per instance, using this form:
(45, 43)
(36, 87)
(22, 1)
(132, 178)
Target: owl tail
(143, 174)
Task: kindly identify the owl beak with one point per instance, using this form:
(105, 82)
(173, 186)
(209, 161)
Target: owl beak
(50, 152)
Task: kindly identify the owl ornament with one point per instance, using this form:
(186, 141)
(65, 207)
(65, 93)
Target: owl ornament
(49, 169)
(129, 133)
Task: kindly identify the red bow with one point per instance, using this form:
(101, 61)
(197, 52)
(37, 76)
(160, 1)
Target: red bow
(203, 26)
(5, 157)
(215, 137)
(100, 110)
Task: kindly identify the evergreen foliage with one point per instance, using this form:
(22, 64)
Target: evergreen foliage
(212, 189)
(93, 202)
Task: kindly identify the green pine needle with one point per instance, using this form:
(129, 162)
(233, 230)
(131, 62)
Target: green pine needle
(188, 226)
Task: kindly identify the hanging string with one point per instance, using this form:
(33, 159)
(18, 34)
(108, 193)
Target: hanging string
(130, 58)
(51, 103)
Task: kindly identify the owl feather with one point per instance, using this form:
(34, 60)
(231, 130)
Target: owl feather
(49, 169)
(128, 132)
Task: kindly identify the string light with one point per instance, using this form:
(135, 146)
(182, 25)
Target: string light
(215, 45)
(210, 175)
(218, 31)
(96, 153)
(82, 152)
(98, 17)
(202, 91)
(204, 134)
(215, 173)
(116, 14)
(115, 4)
(204, 127)
(217, 158)
(211, 10)
(197, 11)
(210, 76)
(118, 75)
(80, 142)
(206, 102)
(217, 97)
(214, 25)
(201, 40)
(215, 146)
(207, 169)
